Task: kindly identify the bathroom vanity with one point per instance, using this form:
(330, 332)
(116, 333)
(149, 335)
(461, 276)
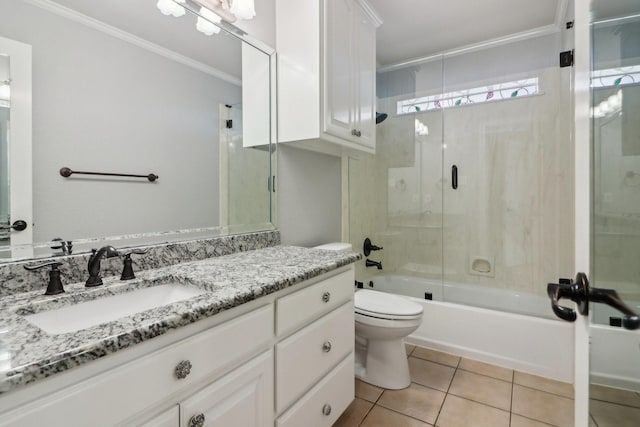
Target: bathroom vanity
(269, 342)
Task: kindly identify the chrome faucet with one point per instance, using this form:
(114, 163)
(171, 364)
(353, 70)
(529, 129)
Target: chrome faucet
(94, 264)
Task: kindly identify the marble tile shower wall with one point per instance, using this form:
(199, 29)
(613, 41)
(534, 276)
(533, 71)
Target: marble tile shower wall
(14, 278)
(512, 206)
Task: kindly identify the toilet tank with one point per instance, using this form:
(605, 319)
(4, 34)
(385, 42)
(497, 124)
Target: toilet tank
(336, 246)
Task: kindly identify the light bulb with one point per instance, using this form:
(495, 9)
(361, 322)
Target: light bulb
(206, 26)
(169, 7)
(243, 9)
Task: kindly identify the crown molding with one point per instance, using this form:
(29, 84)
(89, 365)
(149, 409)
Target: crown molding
(95, 24)
(516, 37)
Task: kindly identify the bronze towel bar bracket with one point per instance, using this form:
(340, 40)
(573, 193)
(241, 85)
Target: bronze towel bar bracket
(66, 172)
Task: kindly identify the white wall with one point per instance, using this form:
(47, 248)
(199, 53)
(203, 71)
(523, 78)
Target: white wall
(103, 104)
(263, 25)
(309, 197)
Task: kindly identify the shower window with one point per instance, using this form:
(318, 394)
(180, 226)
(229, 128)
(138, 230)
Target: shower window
(476, 95)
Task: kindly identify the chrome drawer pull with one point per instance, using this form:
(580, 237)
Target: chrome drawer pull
(326, 347)
(326, 297)
(326, 409)
(183, 369)
(197, 421)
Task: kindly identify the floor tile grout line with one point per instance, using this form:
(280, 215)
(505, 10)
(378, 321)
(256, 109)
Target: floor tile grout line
(513, 380)
(367, 414)
(537, 421)
(402, 413)
(543, 391)
(436, 363)
(480, 403)
(626, 405)
(485, 375)
(435, 423)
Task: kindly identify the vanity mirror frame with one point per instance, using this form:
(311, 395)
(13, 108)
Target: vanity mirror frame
(23, 249)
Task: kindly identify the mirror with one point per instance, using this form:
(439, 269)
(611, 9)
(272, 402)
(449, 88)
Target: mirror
(118, 87)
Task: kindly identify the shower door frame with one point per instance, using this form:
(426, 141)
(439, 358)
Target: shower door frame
(582, 199)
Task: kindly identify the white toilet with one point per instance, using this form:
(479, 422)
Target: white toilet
(383, 320)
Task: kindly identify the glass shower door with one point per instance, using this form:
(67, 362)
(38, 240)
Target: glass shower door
(615, 81)
(507, 169)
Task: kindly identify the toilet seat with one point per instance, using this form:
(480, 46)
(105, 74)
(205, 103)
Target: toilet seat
(383, 305)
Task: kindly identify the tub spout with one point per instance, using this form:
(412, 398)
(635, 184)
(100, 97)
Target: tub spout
(370, 263)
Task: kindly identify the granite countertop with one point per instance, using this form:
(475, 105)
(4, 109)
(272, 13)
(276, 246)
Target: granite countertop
(28, 354)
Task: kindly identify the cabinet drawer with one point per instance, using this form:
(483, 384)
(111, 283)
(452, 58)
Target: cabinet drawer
(306, 356)
(333, 394)
(169, 418)
(139, 384)
(299, 308)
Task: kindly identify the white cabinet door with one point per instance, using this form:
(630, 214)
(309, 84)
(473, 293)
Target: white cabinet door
(338, 68)
(243, 398)
(364, 33)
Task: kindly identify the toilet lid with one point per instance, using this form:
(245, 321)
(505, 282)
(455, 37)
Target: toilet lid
(382, 304)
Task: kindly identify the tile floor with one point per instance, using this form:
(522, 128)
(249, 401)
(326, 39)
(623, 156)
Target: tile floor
(450, 391)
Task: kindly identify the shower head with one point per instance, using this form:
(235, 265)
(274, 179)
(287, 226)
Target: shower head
(380, 117)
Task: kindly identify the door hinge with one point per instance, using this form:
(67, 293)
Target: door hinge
(229, 124)
(566, 58)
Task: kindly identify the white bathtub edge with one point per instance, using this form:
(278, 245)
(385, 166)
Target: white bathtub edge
(528, 344)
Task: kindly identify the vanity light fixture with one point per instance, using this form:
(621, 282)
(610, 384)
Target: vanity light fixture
(212, 12)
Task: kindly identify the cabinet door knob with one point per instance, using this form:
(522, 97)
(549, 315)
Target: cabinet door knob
(326, 297)
(197, 421)
(183, 369)
(326, 347)
(326, 409)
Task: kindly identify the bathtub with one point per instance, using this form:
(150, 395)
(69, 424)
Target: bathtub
(512, 329)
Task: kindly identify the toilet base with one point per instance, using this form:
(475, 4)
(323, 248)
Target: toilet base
(383, 364)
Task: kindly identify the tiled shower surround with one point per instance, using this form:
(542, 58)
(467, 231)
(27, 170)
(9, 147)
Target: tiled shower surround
(14, 278)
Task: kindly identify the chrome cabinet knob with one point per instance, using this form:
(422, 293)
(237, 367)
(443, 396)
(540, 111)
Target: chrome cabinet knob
(326, 347)
(326, 297)
(326, 409)
(197, 421)
(183, 369)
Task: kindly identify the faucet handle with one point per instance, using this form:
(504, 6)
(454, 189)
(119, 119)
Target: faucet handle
(368, 247)
(127, 270)
(54, 286)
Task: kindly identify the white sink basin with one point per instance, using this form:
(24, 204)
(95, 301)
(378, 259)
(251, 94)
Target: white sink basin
(107, 309)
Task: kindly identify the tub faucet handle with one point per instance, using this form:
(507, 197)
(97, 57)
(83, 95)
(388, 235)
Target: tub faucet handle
(369, 247)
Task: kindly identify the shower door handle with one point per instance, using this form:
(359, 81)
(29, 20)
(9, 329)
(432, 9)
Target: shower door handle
(579, 292)
(454, 177)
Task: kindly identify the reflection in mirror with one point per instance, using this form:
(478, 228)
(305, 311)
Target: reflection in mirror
(5, 105)
(118, 87)
(614, 362)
